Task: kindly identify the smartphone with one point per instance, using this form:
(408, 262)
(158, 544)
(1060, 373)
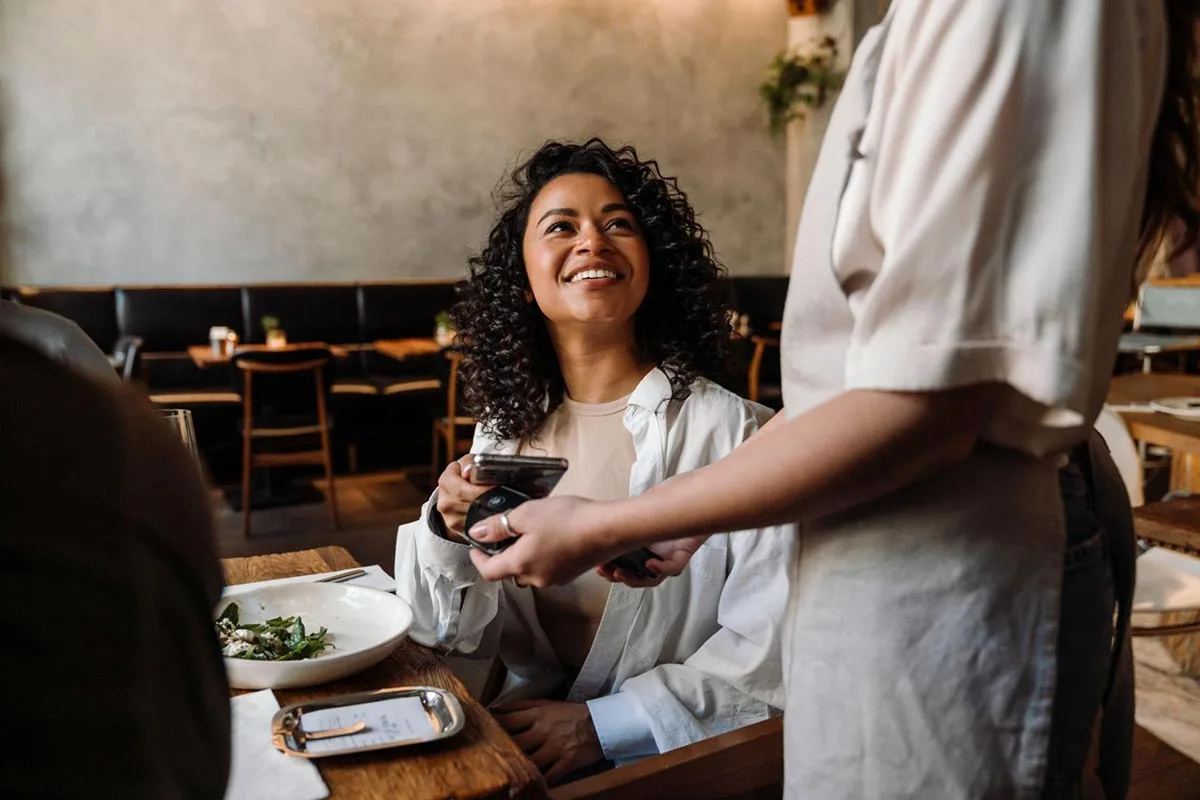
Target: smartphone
(635, 562)
(535, 476)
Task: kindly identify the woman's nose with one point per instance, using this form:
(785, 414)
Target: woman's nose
(591, 240)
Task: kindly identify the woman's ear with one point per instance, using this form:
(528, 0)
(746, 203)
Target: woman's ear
(528, 296)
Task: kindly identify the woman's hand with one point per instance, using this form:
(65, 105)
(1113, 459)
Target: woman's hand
(558, 737)
(558, 539)
(456, 493)
(673, 558)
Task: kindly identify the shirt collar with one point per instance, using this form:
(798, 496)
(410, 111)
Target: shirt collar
(653, 391)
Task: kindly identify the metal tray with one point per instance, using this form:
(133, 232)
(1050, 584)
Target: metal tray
(365, 721)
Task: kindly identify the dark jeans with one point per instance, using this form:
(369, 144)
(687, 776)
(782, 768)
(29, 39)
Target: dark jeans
(1098, 524)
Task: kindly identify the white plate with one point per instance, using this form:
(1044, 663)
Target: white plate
(365, 626)
(1185, 407)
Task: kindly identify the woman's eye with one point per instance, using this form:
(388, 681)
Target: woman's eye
(621, 222)
(559, 227)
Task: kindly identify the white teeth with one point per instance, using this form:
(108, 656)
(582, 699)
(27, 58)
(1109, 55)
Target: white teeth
(588, 274)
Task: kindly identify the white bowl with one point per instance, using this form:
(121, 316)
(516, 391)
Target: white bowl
(365, 626)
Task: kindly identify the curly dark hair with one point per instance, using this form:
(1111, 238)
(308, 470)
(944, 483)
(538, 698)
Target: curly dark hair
(510, 373)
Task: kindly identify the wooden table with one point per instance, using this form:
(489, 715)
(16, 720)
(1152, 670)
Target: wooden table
(202, 354)
(1147, 345)
(401, 349)
(481, 762)
(1174, 524)
(1181, 435)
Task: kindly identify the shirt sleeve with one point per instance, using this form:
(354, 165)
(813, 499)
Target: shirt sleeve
(454, 610)
(735, 678)
(986, 231)
(622, 726)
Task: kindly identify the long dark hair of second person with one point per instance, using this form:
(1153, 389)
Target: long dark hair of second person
(511, 377)
(1173, 185)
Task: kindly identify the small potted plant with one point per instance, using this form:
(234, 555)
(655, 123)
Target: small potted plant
(443, 329)
(275, 335)
(799, 81)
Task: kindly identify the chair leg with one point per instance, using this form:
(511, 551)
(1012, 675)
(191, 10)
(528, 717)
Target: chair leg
(451, 434)
(434, 472)
(332, 499)
(326, 449)
(247, 456)
(247, 467)
(352, 458)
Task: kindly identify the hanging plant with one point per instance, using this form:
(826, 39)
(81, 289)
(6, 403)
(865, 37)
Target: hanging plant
(799, 81)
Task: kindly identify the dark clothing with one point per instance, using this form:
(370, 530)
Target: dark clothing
(1094, 670)
(56, 337)
(111, 678)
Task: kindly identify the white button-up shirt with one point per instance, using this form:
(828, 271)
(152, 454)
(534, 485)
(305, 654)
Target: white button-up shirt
(694, 657)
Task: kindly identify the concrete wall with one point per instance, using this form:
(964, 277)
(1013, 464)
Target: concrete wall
(846, 21)
(201, 141)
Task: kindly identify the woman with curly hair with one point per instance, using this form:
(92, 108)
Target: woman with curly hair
(591, 326)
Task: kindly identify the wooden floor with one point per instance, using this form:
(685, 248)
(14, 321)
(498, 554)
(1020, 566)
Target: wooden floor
(372, 506)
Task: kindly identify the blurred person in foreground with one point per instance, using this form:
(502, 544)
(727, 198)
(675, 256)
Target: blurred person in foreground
(112, 679)
(57, 337)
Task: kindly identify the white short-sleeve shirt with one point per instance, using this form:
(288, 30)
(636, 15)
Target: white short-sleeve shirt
(974, 211)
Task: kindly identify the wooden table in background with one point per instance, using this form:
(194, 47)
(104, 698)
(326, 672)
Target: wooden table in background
(480, 762)
(202, 354)
(1175, 524)
(401, 349)
(1182, 436)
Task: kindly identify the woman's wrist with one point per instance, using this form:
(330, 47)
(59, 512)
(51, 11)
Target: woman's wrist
(624, 525)
(608, 531)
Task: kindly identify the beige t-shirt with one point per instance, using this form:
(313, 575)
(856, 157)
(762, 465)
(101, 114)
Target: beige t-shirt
(593, 439)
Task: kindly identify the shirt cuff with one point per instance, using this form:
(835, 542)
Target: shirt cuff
(622, 726)
(442, 554)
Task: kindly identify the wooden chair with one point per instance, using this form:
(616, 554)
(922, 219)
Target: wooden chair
(1168, 584)
(1124, 452)
(758, 391)
(745, 764)
(287, 416)
(1166, 319)
(446, 429)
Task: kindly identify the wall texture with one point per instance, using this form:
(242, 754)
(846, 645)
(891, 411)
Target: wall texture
(202, 141)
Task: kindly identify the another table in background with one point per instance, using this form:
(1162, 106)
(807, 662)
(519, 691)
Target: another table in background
(1182, 436)
(481, 762)
(1174, 524)
(202, 354)
(1145, 345)
(401, 349)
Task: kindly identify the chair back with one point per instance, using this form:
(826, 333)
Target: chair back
(447, 370)
(1165, 306)
(282, 382)
(1124, 453)
(128, 352)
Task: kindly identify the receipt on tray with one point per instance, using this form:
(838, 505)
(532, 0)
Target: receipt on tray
(398, 720)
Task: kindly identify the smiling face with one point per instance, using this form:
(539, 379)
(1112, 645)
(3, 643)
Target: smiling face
(584, 254)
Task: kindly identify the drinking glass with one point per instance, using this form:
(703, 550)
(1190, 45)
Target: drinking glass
(180, 421)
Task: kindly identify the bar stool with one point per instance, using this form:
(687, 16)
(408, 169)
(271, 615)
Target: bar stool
(285, 423)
